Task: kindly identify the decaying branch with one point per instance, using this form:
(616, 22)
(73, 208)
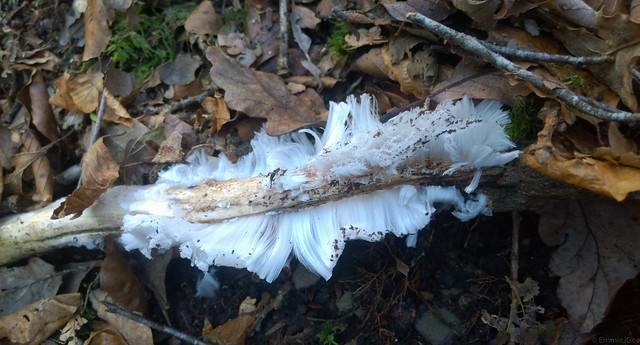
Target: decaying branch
(476, 47)
(508, 188)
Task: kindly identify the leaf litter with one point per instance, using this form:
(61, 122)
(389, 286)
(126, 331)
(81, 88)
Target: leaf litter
(44, 83)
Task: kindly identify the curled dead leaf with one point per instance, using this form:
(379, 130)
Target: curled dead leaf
(96, 29)
(99, 171)
(260, 94)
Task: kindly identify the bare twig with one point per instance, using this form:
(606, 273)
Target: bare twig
(283, 57)
(95, 130)
(112, 308)
(474, 46)
(534, 56)
(181, 104)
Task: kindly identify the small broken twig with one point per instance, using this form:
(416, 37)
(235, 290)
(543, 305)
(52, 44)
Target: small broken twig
(112, 308)
(475, 46)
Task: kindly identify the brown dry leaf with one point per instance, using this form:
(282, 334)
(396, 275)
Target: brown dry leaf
(96, 29)
(233, 331)
(115, 112)
(99, 171)
(132, 331)
(634, 11)
(40, 167)
(118, 279)
(204, 20)
(218, 108)
(616, 35)
(260, 94)
(597, 253)
(367, 37)
(36, 322)
(480, 84)
(23, 285)
(82, 94)
(482, 12)
(307, 19)
(601, 176)
(171, 149)
(436, 10)
(9, 144)
(104, 334)
(39, 58)
(180, 71)
(512, 8)
(35, 97)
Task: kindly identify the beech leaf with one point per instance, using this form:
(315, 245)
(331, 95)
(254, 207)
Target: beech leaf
(36, 98)
(96, 29)
(99, 171)
(260, 94)
(118, 279)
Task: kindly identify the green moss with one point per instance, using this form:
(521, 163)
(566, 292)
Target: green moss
(234, 17)
(572, 79)
(337, 43)
(151, 42)
(327, 334)
(524, 122)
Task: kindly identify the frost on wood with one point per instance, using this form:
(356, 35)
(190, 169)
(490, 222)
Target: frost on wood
(354, 147)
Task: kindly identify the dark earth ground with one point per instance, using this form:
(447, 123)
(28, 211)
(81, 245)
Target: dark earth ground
(457, 268)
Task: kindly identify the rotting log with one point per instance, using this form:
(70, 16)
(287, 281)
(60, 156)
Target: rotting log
(513, 187)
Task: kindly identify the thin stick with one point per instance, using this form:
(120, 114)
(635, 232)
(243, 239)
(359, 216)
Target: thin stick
(112, 308)
(535, 56)
(474, 46)
(283, 57)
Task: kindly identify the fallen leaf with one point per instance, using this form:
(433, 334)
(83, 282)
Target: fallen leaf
(36, 322)
(99, 171)
(35, 97)
(23, 285)
(81, 95)
(482, 12)
(132, 331)
(597, 253)
(118, 279)
(436, 10)
(307, 19)
(366, 37)
(260, 94)
(601, 176)
(104, 334)
(119, 83)
(180, 71)
(40, 167)
(217, 108)
(234, 331)
(115, 112)
(96, 29)
(204, 20)
(171, 149)
(634, 12)
(9, 145)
